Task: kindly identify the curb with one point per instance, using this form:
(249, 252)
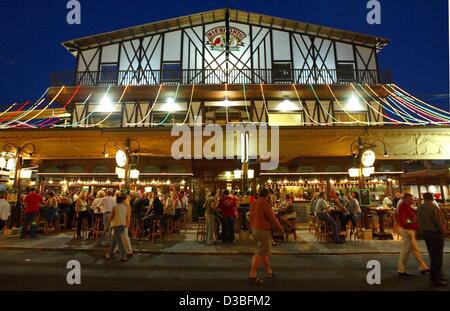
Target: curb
(198, 253)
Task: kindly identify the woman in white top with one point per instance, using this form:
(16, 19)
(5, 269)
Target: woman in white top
(81, 212)
(118, 223)
(5, 209)
(96, 205)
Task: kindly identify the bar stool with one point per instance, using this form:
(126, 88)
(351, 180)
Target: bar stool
(312, 222)
(201, 230)
(97, 228)
(322, 231)
(136, 228)
(156, 230)
(63, 224)
(237, 227)
(170, 225)
(84, 228)
(177, 225)
(293, 231)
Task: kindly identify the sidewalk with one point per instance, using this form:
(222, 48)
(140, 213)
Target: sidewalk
(185, 243)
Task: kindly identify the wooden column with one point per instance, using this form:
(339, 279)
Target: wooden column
(441, 183)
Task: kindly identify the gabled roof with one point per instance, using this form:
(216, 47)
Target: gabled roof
(219, 15)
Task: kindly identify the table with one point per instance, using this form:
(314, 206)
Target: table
(381, 212)
(337, 215)
(243, 209)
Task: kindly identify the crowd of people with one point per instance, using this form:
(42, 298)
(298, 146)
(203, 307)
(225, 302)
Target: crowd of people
(267, 214)
(222, 208)
(114, 210)
(337, 212)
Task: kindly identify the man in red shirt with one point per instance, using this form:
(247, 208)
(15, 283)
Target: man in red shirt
(406, 219)
(262, 221)
(228, 208)
(32, 203)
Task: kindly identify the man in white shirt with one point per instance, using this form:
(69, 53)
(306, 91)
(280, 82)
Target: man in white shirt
(322, 214)
(106, 205)
(5, 210)
(184, 201)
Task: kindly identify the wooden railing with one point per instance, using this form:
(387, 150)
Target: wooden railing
(213, 76)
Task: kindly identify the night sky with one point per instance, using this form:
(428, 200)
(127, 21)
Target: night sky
(32, 32)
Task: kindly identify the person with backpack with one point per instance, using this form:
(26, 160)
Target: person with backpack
(228, 208)
(210, 218)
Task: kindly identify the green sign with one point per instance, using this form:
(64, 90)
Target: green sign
(364, 196)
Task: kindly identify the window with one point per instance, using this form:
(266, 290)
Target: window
(344, 117)
(285, 119)
(114, 120)
(164, 118)
(171, 72)
(346, 72)
(282, 72)
(108, 74)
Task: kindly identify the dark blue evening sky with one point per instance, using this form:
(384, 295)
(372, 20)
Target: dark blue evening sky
(33, 30)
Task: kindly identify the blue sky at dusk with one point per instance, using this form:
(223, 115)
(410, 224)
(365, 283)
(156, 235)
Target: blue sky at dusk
(32, 32)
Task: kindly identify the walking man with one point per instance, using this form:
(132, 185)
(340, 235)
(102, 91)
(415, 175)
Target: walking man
(432, 224)
(262, 220)
(406, 218)
(32, 205)
(106, 204)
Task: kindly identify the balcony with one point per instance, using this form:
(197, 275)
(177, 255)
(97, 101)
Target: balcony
(213, 76)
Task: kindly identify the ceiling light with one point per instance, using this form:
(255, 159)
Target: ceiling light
(353, 104)
(286, 106)
(105, 105)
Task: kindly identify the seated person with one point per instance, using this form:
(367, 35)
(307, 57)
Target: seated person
(287, 214)
(155, 212)
(322, 214)
(354, 209)
(286, 211)
(51, 208)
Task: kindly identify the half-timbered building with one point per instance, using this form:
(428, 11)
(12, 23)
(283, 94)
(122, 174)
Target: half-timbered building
(319, 84)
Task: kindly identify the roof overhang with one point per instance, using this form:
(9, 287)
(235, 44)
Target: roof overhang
(219, 15)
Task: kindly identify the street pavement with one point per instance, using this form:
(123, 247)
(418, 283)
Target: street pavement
(46, 270)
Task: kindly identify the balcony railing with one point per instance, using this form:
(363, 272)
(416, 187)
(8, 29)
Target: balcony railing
(213, 76)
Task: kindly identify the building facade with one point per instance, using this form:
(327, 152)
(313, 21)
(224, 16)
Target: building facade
(321, 86)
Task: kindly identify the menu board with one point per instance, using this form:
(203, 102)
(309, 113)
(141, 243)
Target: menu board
(364, 196)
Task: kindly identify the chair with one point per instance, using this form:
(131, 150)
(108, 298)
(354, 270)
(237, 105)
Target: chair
(156, 230)
(136, 228)
(201, 230)
(177, 225)
(98, 226)
(322, 231)
(84, 228)
(237, 227)
(312, 222)
(63, 224)
(292, 224)
(170, 225)
(41, 222)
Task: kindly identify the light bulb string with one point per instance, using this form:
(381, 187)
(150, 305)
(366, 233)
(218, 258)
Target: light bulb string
(33, 107)
(110, 113)
(411, 108)
(190, 105)
(417, 99)
(49, 121)
(427, 111)
(403, 115)
(149, 111)
(77, 123)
